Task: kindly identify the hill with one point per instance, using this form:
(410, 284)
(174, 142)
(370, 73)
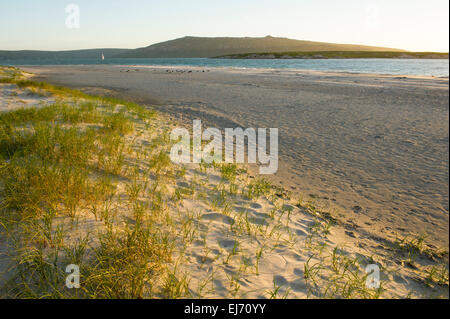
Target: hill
(197, 47)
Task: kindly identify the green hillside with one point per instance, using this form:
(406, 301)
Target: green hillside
(196, 47)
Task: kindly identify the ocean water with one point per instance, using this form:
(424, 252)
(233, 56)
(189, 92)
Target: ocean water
(425, 67)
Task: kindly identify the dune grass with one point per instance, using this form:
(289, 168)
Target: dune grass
(61, 160)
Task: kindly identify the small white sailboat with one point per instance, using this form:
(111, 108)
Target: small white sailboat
(103, 57)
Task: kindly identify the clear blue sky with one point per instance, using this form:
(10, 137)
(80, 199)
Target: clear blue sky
(408, 24)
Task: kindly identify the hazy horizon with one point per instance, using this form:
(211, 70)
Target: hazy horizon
(409, 25)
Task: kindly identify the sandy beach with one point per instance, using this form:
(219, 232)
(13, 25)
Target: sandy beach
(141, 226)
(373, 147)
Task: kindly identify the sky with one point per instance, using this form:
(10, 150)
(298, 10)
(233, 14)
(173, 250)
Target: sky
(46, 25)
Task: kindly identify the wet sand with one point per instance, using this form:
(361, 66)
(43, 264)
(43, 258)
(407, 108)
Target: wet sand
(374, 147)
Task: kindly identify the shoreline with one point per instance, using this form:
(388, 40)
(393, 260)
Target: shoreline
(252, 68)
(242, 69)
(279, 71)
(315, 74)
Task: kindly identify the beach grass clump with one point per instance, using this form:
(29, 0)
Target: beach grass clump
(36, 275)
(85, 112)
(23, 115)
(257, 188)
(118, 122)
(47, 164)
(31, 187)
(333, 273)
(439, 275)
(412, 245)
(229, 172)
(126, 262)
(160, 162)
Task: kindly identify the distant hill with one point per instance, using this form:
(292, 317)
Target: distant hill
(54, 55)
(196, 47)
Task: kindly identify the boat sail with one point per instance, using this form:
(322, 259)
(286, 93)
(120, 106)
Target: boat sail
(103, 57)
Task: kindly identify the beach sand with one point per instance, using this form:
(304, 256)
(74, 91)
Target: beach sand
(231, 244)
(373, 147)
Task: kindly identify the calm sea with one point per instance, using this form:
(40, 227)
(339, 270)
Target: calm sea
(438, 68)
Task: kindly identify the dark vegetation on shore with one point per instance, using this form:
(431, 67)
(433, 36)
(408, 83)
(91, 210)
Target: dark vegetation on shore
(338, 55)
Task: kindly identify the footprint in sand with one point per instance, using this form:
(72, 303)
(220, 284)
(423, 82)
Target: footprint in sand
(287, 207)
(298, 272)
(297, 257)
(279, 281)
(241, 209)
(298, 285)
(306, 223)
(198, 243)
(261, 215)
(204, 260)
(183, 184)
(221, 218)
(400, 279)
(218, 285)
(300, 232)
(227, 243)
(255, 206)
(258, 221)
